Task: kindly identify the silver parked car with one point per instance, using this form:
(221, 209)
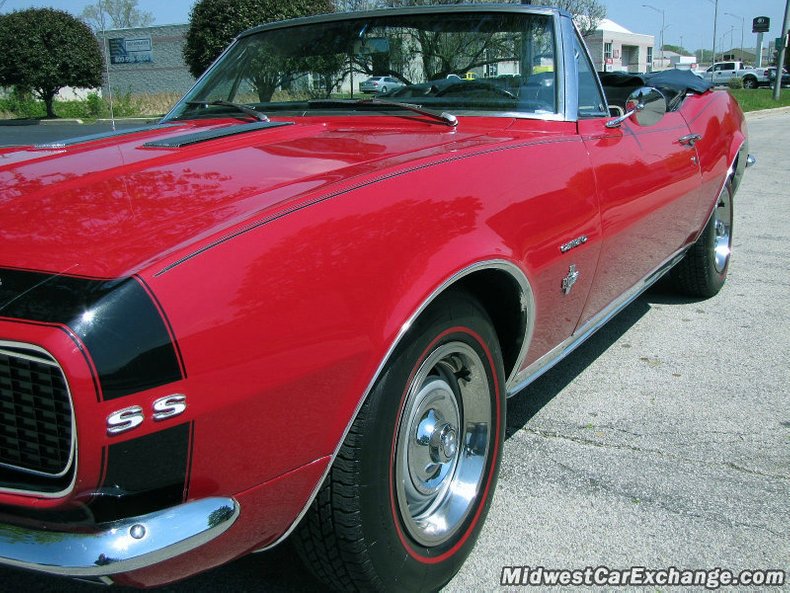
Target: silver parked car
(380, 84)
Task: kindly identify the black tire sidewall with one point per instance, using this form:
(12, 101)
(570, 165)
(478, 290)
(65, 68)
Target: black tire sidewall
(402, 563)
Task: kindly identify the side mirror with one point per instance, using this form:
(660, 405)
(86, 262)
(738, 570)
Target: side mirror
(645, 107)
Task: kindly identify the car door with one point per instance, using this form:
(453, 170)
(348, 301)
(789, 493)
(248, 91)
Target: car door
(722, 73)
(648, 181)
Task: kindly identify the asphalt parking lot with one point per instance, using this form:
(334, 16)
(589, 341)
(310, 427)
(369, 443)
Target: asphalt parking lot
(663, 441)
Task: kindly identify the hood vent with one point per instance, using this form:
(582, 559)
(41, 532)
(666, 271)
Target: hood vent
(197, 137)
(100, 136)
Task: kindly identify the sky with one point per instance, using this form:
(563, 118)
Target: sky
(686, 21)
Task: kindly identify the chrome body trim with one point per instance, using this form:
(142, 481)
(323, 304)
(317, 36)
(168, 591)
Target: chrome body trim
(528, 309)
(8, 348)
(734, 172)
(554, 356)
(690, 139)
(120, 546)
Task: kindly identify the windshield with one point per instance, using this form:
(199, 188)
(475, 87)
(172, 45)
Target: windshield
(468, 63)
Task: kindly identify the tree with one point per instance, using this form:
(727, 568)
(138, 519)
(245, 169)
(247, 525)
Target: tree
(115, 14)
(587, 14)
(46, 49)
(677, 49)
(214, 23)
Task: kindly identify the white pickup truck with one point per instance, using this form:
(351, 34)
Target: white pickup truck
(721, 73)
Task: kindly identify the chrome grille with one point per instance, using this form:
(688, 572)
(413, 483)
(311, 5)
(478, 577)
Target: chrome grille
(36, 425)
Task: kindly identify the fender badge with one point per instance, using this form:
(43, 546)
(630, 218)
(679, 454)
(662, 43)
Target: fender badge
(572, 244)
(570, 279)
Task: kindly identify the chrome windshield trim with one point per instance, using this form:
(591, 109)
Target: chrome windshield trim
(557, 354)
(121, 546)
(563, 83)
(10, 348)
(528, 306)
(404, 11)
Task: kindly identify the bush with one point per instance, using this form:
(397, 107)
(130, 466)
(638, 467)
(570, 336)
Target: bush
(20, 103)
(23, 105)
(94, 105)
(45, 50)
(736, 82)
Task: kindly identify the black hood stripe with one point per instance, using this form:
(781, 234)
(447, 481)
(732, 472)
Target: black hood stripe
(120, 324)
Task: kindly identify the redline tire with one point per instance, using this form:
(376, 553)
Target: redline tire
(703, 270)
(382, 520)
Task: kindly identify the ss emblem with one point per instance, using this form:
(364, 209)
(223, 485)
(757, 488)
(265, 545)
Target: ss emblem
(133, 416)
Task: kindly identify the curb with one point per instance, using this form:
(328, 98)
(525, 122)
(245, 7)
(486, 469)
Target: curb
(18, 122)
(766, 112)
(65, 120)
(120, 120)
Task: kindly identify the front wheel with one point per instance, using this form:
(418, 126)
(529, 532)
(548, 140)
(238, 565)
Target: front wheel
(703, 270)
(409, 490)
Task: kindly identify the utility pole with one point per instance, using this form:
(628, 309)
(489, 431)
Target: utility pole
(780, 60)
(661, 36)
(715, 18)
(743, 24)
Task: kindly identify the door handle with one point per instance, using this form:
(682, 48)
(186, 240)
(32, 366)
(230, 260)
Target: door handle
(689, 139)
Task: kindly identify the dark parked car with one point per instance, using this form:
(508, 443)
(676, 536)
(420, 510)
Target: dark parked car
(772, 77)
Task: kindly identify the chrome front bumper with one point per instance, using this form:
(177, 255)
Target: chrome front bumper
(120, 546)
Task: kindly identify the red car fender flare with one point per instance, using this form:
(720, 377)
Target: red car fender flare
(528, 311)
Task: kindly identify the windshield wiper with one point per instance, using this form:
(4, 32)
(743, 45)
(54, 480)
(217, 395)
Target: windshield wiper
(447, 119)
(243, 108)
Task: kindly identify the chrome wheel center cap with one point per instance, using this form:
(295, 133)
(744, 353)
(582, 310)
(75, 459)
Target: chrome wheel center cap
(448, 442)
(438, 436)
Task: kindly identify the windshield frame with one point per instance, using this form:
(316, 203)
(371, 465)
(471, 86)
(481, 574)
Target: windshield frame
(561, 25)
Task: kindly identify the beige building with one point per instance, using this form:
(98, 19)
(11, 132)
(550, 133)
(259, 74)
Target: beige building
(614, 48)
(147, 60)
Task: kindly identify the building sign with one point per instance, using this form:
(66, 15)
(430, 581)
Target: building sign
(137, 50)
(761, 24)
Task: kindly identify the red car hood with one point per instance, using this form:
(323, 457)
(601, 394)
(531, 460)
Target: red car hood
(109, 207)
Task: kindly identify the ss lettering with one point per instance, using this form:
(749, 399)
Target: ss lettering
(133, 416)
(167, 407)
(124, 420)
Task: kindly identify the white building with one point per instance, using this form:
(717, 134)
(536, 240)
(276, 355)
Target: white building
(614, 48)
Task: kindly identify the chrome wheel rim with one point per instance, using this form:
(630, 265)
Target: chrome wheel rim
(722, 228)
(444, 435)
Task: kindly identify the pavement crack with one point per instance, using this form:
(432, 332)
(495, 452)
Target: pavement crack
(550, 434)
(600, 485)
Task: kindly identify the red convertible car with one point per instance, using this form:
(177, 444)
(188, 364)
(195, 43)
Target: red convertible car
(288, 310)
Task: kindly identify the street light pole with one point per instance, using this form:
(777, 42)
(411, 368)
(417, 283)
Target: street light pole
(661, 36)
(780, 59)
(715, 18)
(743, 23)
